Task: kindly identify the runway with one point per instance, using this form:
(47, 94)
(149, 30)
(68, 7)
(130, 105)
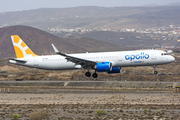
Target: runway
(76, 99)
(128, 84)
(84, 92)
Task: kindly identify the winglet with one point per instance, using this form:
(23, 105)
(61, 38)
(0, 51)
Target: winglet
(55, 49)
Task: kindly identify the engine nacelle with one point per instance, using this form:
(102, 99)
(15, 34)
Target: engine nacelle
(115, 70)
(104, 67)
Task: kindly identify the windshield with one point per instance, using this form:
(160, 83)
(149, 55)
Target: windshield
(164, 54)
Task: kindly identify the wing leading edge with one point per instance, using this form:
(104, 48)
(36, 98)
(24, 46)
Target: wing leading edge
(86, 64)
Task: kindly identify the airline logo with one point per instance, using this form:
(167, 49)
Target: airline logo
(21, 49)
(137, 57)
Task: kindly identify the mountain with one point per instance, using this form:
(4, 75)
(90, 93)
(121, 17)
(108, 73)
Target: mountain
(94, 17)
(40, 42)
(151, 5)
(173, 4)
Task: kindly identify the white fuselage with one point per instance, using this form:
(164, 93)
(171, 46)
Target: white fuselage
(118, 59)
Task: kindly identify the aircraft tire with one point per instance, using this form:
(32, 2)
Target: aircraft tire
(155, 72)
(88, 74)
(95, 75)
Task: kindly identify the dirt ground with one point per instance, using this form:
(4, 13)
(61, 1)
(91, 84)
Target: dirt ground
(93, 98)
(124, 104)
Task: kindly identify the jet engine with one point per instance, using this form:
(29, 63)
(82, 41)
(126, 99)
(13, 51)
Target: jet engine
(103, 67)
(115, 70)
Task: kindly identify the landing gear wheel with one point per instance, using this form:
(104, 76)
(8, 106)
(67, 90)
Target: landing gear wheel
(95, 75)
(155, 72)
(88, 74)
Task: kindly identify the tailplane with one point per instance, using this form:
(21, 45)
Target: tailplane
(21, 49)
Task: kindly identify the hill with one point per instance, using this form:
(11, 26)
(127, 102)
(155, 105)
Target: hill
(129, 39)
(94, 17)
(173, 4)
(94, 45)
(40, 42)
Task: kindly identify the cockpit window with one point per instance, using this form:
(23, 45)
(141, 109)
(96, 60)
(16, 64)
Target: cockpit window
(164, 54)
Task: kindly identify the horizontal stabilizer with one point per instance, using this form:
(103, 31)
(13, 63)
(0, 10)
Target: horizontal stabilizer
(18, 60)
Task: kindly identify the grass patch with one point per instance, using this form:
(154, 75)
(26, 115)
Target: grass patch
(16, 116)
(101, 112)
(39, 115)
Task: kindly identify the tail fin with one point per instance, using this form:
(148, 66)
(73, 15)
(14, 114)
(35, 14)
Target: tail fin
(21, 49)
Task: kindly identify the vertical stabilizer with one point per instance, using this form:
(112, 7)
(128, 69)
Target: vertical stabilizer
(21, 49)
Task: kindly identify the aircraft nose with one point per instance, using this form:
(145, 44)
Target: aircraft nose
(171, 59)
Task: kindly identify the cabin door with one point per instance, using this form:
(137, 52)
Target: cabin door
(35, 61)
(120, 57)
(153, 55)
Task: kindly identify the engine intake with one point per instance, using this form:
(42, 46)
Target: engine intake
(104, 67)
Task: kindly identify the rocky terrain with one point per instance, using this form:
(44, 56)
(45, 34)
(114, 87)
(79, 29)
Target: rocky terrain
(129, 103)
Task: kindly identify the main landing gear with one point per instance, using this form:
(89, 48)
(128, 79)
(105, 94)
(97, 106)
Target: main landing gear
(88, 74)
(155, 72)
(95, 75)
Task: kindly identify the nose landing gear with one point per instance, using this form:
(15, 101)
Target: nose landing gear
(155, 72)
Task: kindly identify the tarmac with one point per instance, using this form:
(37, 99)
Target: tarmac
(129, 84)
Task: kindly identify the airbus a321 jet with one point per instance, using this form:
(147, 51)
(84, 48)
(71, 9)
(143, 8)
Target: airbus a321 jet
(110, 62)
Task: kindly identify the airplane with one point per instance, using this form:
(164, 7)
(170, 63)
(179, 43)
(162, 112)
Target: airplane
(110, 62)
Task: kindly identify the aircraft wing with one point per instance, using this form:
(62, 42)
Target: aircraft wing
(78, 61)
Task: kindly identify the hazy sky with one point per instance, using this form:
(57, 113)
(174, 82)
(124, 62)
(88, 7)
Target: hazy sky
(11, 5)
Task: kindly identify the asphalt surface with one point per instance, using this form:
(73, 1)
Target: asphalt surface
(129, 84)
